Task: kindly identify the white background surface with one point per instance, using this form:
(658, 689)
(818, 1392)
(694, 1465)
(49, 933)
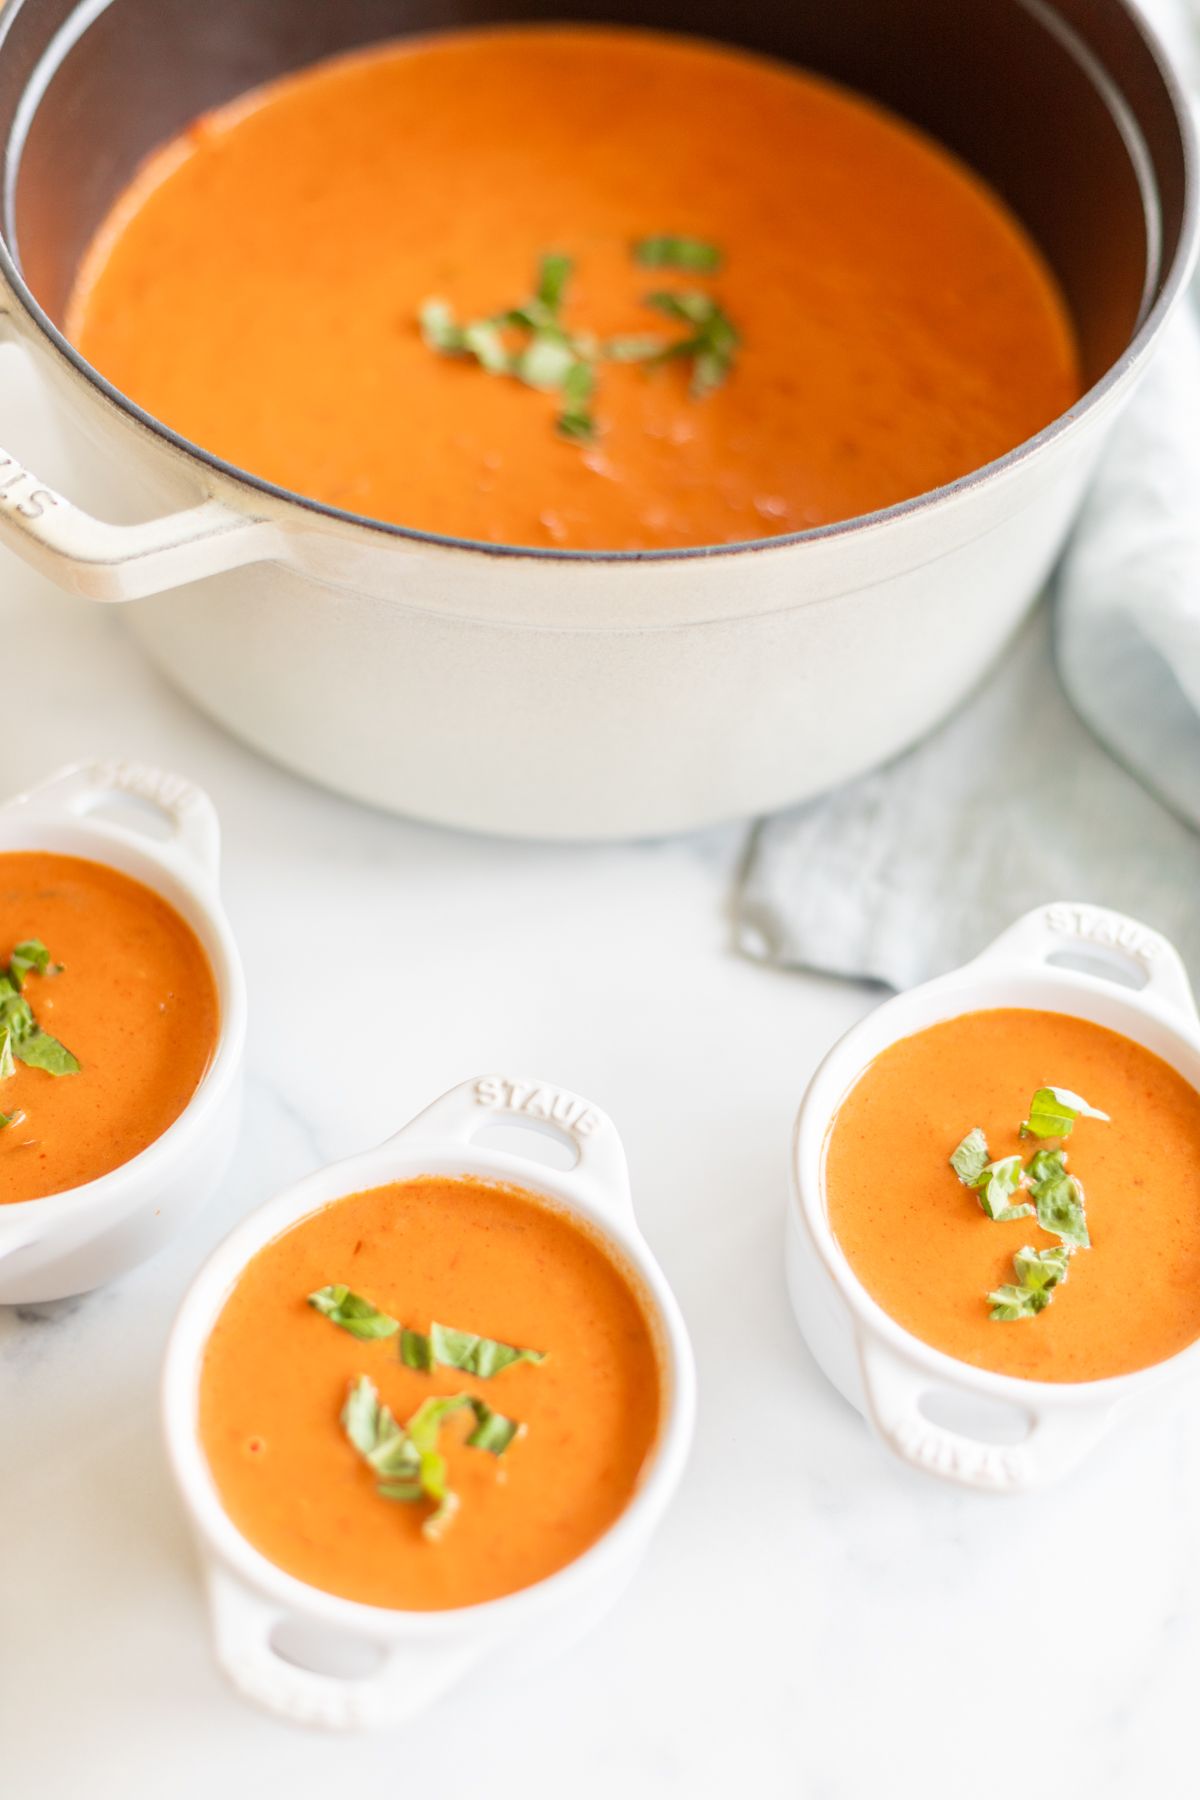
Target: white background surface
(812, 1621)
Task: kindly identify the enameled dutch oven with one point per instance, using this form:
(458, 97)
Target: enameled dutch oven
(969, 1426)
(578, 694)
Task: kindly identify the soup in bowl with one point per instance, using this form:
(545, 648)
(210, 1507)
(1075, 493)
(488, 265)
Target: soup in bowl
(122, 1020)
(429, 1402)
(990, 1249)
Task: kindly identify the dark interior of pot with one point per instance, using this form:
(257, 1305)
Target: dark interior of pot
(1062, 107)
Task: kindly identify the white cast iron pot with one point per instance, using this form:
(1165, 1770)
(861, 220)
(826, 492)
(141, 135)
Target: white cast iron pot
(889, 1375)
(70, 1242)
(412, 1658)
(558, 694)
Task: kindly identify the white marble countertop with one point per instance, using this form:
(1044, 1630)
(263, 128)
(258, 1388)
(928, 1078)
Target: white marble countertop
(812, 1621)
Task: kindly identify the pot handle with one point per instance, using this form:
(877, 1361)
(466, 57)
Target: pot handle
(407, 1679)
(1058, 1439)
(75, 791)
(600, 1176)
(107, 562)
(1104, 935)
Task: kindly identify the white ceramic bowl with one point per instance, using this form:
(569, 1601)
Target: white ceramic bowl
(69, 1242)
(311, 1656)
(900, 1384)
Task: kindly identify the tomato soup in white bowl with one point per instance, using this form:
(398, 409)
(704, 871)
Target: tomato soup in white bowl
(426, 1408)
(991, 1246)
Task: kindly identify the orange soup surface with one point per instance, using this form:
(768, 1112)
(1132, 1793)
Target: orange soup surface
(258, 288)
(480, 1258)
(134, 1003)
(919, 1242)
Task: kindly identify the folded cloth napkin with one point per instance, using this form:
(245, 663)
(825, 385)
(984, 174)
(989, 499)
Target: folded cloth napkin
(912, 869)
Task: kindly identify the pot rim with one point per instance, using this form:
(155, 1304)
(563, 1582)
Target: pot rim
(974, 987)
(48, 1212)
(399, 1159)
(206, 464)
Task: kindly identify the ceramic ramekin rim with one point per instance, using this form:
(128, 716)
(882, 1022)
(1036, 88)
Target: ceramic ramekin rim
(51, 1211)
(977, 986)
(396, 1160)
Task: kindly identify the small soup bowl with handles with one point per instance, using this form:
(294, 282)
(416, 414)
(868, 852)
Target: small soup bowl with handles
(936, 1413)
(162, 831)
(317, 1659)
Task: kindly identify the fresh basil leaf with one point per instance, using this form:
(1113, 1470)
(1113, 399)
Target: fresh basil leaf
(554, 272)
(1010, 1302)
(484, 343)
(670, 252)
(7, 1119)
(439, 328)
(995, 1187)
(546, 363)
(713, 342)
(394, 1455)
(971, 1158)
(7, 1063)
(1046, 1165)
(360, 1415)
(29, 957)
(354, 1314)
(644, 347)
(474, 1355)
(408, 1491)
(416, 1350)
(1053, 1112)
(41, 1051)
(1039, 1272)
(1042, 1269)
(575, 420)
(1060, 1209)
(493, 1432)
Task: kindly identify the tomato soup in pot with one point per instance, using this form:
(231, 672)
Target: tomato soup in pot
(576, 287)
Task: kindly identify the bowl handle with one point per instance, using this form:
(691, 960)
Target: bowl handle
(1103, 936)
(600, 1176)
(1059, 1438)
(77, 790)
(408, 1678)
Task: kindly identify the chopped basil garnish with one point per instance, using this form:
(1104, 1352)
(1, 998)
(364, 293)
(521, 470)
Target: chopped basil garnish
(971, 1158)
(20, 1034)
(480, 1356)
(993, 1182)
(453, 1349)
(667, 252)
(1060, 1209)
(996, 1186)
(1057, 1198)
(1053, 1111)
(354, 1314)
(1039, 1272)
(416, 1349)
(711, 342)
(406, 1457)
(555, 360)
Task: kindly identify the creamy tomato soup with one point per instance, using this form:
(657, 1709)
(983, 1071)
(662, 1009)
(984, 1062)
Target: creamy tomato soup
(110, 1038)
(919, 1241)
(886, 324)
(582, 1405)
